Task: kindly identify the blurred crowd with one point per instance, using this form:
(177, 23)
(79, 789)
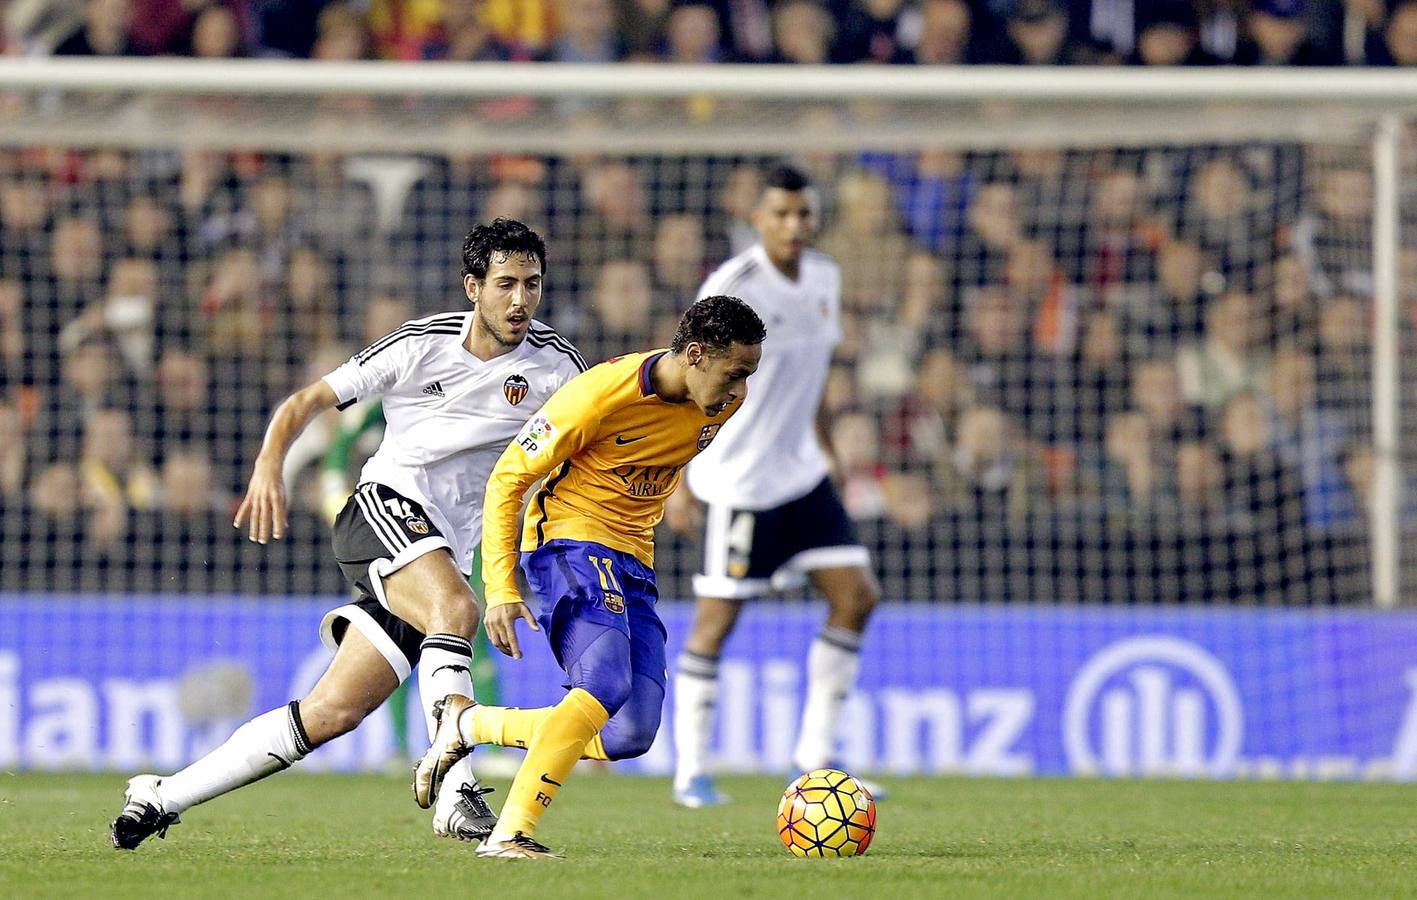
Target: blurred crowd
(1067, 375)
(910, 32)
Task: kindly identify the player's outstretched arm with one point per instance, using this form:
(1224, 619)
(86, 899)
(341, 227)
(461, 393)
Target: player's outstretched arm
(264, 504)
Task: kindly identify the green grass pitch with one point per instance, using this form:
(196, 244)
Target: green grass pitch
(353, 837)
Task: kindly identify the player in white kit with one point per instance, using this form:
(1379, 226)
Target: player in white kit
(456, 388)
(772, 519)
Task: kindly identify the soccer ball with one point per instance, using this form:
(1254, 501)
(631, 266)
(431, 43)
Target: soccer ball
(826, 813)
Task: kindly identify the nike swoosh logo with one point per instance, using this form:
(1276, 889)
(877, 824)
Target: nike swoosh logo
(622, 441)
(549, 781)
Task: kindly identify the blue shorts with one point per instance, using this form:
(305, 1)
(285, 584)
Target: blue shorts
(591, 582)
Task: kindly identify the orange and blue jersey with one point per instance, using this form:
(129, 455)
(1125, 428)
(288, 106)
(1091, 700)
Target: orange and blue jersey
(611, 451)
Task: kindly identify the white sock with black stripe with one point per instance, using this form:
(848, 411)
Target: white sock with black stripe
(445, 667)
(263, 746)
(832, 664)
(695, 704)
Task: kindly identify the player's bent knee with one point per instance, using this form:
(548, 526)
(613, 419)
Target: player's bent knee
(630, 741)
(632, 732)
(454, 613)
(602, 670)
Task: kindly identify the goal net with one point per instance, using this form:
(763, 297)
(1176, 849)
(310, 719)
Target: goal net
(1107, 340)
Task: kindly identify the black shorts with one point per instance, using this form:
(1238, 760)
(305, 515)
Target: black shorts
(377, 533)
(748, 553)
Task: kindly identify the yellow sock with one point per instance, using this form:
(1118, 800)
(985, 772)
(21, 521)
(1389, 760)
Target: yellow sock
(508, 726)
(551, 754)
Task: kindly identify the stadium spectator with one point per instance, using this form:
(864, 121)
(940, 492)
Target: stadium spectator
(925, 313)
(1222, 364)
(1037, 283)
(679, 254)
(869, 242)
(1168, 34)
(803, 32)
(875, 31)
(1132, 479)
(73, 277)
(615, 222)
(14, 460)
(1344, 373)
(184, 410)
(1172, 312)
(736, 200)
(1034, 33)
(104, 31)
(56, 491)
(1293, 310)
(1279, 35)
(622, 304)
(692, 34)
(147, 229)
(465, 37)
(933, 189)
(990, 465)
(339, 35)
(116, 479)
(309, 311)
(126, 312)
(643, 25)
(1199, 478)
(1220, 216)
(1395, 44)
(1333, 237)
(24, 211)
(216, 34)
(1098, 381)
(993, 228)
(586, 34)
(186, 488)
(14, 341)
(1307, 437)
(856, 448)
(1118, 237)
(921, 428)
(945, 37)
(1156, 394)
(909, 500)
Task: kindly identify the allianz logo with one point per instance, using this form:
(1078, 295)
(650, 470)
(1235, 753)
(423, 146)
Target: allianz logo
(1153, 705)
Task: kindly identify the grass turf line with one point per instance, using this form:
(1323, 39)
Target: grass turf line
(325, 835)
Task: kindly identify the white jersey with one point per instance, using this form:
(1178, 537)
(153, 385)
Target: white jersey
(768, 454)
(449, 414)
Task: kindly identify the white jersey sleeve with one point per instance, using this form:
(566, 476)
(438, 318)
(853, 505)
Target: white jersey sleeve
(377, 368)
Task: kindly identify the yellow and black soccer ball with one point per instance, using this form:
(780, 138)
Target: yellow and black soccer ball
(826, 812)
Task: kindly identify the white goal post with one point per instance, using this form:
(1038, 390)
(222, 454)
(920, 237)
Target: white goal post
(395, 108)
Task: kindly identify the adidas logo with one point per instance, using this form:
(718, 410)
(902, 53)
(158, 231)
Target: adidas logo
(434, 390)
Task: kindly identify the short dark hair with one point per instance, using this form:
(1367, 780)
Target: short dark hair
(787, 178)
(501, 236)
(717, 323)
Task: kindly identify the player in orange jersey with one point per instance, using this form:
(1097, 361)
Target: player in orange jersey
(611, 445)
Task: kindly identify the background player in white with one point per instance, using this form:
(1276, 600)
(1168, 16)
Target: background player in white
(456, 388)
(772, 518)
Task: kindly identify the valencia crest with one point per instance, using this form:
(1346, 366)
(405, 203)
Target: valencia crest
(516, 388)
